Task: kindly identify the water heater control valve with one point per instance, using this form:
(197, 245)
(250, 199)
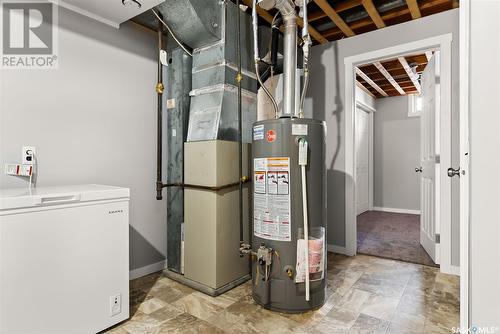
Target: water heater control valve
(264, 255)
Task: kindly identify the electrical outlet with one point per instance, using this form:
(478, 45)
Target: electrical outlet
(115, 305)
(28, 155)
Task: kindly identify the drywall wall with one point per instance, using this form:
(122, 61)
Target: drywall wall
(484, 303)
(396, 150)
(326, 102)
(92, 120)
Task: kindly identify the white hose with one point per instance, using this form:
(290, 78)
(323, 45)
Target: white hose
(171, 33)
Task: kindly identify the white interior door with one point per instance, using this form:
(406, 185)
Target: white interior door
(429, 125)
(362, 160)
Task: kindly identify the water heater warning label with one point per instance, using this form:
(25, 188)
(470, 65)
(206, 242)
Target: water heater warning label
(272, 198)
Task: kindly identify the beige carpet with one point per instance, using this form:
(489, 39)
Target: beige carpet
(391, 235)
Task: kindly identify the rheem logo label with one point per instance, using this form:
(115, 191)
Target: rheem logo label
(29, 34)
(271, 136)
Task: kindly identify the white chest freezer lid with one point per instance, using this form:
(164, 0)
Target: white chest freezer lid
(43, 196)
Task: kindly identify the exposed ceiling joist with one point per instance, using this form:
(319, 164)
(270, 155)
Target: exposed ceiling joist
(335, 32)
(371, 82)
(366, 90)
(341, 7)
(410, 73)
(335, 17)
(414, 9)
(389, 77)
(373, 12)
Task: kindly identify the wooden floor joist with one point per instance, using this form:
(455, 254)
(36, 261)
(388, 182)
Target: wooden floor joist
(335, 33)
(414, 9)
(335, 17)
(389, 77)
(341, 7)
(410, 73)
(373, 12)
(371, 82)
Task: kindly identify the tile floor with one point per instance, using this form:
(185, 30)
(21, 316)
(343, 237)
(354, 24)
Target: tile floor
(365, 294)
(391, 235)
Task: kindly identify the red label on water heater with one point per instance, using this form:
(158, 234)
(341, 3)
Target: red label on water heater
(271, 136)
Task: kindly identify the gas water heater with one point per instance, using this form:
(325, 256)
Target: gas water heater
(289, 188)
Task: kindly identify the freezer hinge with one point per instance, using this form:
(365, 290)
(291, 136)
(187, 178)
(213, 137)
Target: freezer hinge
(438, 238)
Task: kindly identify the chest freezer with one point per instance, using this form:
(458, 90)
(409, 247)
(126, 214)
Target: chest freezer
(64, 259)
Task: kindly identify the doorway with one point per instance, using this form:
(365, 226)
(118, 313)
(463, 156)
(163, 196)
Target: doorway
(440, 204)
(391, 140)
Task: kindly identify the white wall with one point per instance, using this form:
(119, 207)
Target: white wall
(485, 161)
(396, 153)
(93, 120)
(325, 102)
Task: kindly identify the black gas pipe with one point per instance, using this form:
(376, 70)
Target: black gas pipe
(159, 92)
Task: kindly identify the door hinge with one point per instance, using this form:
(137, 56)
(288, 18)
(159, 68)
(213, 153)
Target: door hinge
(437, 159)
(438, 238)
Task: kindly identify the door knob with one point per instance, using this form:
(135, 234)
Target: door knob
(452, 172)
(418, 170)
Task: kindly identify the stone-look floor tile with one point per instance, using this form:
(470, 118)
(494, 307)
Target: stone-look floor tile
(343, 281)
(362, 292)
(338, 320)
(142, 324)
(189, 324)
(380, 307)
(169, 291)
(415, 304)
(165, 313)
(312, 318)
(232, 321)
(399, 329)
(117, 330)
(442, 319)
(198, 305)
(354, 300)
(436, 329)
(407, 323)
(266, 321)
(365, 324)
(151, 305)
(384, 287)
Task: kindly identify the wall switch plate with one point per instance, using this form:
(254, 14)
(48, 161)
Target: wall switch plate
(28, 155)
(115, 305)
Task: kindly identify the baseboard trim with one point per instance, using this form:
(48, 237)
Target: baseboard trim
(337, 249)
(394, 210)
(146, 270)
(451, 270)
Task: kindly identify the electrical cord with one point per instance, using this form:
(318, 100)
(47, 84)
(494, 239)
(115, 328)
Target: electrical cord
(171, 33)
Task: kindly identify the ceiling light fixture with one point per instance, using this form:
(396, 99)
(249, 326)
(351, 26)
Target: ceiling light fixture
(134, 4)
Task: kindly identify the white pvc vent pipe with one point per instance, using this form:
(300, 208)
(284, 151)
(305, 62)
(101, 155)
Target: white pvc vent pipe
(303, 163)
